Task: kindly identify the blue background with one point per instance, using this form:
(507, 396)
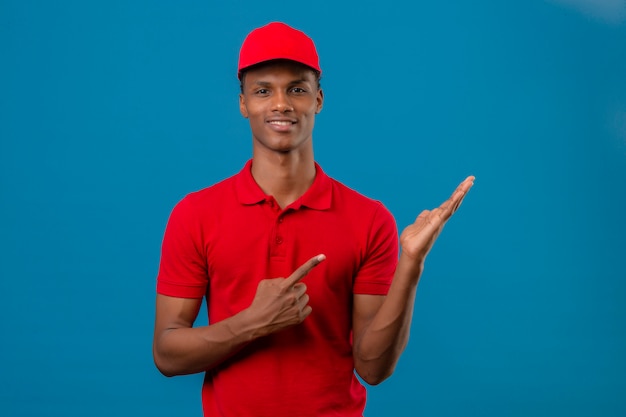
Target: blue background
(110, 112)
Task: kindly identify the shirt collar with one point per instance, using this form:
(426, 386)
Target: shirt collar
(317, 197)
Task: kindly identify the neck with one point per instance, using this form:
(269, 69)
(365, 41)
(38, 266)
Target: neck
(286, 176)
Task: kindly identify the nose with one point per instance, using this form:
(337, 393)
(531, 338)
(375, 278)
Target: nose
(281, 103)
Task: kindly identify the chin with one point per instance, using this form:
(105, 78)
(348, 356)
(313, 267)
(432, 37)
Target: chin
(281, 146)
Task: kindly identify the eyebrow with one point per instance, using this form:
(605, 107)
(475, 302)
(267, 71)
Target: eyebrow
(293, 82)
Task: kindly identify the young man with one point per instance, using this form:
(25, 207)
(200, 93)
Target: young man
(302, 277)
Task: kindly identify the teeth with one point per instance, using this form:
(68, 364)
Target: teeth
(280, 123)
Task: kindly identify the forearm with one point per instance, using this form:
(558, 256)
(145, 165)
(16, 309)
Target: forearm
(380, 345)
(187, 350)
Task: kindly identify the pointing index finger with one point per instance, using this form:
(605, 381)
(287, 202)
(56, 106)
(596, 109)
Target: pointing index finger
(304, 269)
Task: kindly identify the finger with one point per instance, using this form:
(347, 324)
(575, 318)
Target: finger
(422, 215)
(305, 312)
(462, 191)
(302, 302)
(299, 289)
(464, 186)
(438, 215)
(301, 272)
(454, 202)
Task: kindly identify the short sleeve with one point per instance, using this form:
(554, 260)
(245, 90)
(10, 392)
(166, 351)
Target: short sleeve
(376, 272)
(183, 266)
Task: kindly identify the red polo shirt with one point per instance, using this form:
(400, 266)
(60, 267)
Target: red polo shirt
(221, 241)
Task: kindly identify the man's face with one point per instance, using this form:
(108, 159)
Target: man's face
(281, 100)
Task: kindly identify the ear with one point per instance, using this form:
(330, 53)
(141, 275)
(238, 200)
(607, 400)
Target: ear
(242, 106)
(320, 101)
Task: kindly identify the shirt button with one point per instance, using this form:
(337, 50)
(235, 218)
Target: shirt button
(279, 240)
(280, 220)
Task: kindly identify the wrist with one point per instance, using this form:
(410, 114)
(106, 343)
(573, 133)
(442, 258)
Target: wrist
(411, 265)
(243, 326)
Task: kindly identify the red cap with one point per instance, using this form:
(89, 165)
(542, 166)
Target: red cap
(277, 40)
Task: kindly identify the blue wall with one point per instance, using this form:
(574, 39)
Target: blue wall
(111, 111)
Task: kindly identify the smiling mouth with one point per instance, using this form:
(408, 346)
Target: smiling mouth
(280, 122)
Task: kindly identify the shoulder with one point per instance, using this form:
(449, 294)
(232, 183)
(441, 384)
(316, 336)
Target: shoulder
(362, 214)
(202, 205)
(353, 199)
(221, 192)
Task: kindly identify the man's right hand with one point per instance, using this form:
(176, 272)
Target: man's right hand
(282, 302)
(180, 348)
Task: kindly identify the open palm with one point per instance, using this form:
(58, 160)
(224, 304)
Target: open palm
(418, 238)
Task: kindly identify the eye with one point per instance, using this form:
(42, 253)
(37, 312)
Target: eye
(261, 91)
(298, 90)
